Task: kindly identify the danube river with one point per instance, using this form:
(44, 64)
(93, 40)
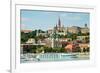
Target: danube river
(31, 57)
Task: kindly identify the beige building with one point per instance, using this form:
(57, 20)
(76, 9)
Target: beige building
(82, 37)
(73, 29)
(84, 30)
(84, 46)
(31, 41)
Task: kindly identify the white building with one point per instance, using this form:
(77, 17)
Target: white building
(31, 41)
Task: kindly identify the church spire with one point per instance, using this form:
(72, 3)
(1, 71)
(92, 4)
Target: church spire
(59, 22)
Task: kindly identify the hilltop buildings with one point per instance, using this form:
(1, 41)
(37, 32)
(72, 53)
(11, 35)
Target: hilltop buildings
(57, 37)
(61, 30)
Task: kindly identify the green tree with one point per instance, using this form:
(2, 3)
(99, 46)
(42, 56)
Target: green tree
(74, 36)
(24, 37)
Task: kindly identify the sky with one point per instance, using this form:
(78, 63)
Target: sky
(33, 19)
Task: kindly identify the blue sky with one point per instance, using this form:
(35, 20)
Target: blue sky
(32, 19)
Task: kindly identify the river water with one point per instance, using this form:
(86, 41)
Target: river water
(31, 57)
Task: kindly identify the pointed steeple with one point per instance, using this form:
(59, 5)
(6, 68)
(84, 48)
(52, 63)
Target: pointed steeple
(59, 22)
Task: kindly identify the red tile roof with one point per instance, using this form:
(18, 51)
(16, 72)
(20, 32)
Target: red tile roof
(26, 31)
